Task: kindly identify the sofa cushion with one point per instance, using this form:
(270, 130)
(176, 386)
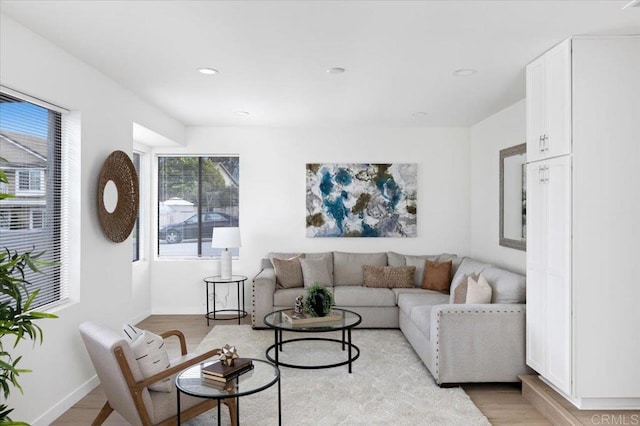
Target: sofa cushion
(437, 276)
(288, 272)
(287, 296)
(389, 276)
(408, 301)
(395, 259)
(317, 271)
(363, 296)
(507, 286)
(418, 262)
(412, 290)
(347, 267)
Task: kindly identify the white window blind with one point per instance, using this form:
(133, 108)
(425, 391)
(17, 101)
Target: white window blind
(33, 217)
(195, 195)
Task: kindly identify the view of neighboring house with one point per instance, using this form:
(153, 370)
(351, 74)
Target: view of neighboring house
(26, 171)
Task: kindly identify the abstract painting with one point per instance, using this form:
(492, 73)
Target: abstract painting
(361, 200)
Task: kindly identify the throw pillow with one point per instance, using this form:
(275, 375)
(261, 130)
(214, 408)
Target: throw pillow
(478, 291)
(288, 272)
(401, 276)
(459, 293)
(374, 276)
(388, 276)
(418, 262)
(437, 276)
(151, 354)
(316, 271)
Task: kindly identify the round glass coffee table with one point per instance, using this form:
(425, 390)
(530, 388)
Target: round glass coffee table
(347, 321)
(262, 376)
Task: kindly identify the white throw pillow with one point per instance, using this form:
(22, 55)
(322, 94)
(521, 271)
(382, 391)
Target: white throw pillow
(150, 353)
(478, 291)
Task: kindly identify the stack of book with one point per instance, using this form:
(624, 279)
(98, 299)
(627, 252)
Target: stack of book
(221, 372)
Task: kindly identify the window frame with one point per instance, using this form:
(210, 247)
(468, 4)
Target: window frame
(30, 191)
(203, 238)
(53, 181)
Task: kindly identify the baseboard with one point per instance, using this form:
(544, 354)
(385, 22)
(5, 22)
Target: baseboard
(597, 403)
(69, 401)
(537, 393)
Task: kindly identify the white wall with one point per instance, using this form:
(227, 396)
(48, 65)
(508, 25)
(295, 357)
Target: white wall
(502, 130)
(101, 270)
(272, 196)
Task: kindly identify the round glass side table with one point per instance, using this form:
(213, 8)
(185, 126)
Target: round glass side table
(262, 376)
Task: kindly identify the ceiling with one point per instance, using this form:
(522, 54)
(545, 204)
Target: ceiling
(273, 56)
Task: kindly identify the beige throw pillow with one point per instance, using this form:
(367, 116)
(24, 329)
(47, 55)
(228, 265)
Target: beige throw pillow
(478, 291)
(151, 355)
(288, 272)
(459, 293)
(316, 271)
(388, 276)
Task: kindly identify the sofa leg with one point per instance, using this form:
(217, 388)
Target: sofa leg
(447, 385)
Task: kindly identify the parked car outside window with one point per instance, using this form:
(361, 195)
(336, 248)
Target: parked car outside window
(188, 229)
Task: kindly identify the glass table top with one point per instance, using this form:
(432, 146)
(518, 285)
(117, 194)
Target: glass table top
(263, 375)
(347, 319)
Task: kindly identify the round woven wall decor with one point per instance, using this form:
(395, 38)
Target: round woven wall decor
(119, 169)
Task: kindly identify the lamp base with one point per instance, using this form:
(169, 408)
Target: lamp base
(225, 264)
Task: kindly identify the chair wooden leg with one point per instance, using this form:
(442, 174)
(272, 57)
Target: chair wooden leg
(103, 414)
(233, 410)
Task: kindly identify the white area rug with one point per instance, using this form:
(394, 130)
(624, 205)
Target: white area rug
(389, 384)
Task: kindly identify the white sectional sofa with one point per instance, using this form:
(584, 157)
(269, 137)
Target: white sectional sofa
(459, 343)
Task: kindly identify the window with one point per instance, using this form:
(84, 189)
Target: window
(195, 195)
(136, 229)
(32, 217)
(30, 183)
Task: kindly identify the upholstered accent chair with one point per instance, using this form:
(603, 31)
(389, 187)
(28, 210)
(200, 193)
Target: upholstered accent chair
(126, 388)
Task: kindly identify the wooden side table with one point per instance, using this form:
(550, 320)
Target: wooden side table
(240, 313)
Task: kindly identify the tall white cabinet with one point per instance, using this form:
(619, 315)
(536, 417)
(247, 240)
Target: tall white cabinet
(583, 220)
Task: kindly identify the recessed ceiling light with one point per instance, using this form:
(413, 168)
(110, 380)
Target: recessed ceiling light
(420, 114)
(336, 70)
(244, 113)
(208, 71)
(466, 72)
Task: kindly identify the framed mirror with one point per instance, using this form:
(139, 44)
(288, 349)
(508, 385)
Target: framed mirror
(513, 197)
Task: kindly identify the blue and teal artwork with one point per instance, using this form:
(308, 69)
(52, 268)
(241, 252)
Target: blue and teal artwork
(361, 200)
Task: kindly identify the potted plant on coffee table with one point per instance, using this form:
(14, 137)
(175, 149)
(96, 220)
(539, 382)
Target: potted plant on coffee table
(319, 301)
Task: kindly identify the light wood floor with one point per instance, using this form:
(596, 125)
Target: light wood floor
(503, 404)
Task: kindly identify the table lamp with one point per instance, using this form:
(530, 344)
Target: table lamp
(225, 238)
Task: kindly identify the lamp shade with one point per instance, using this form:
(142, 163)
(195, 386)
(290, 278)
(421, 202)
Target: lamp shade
(225, 238)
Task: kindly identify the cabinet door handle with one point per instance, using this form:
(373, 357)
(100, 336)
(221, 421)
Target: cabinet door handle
(540, 141)
(540, 175)
(545, 143)
(546, 173)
